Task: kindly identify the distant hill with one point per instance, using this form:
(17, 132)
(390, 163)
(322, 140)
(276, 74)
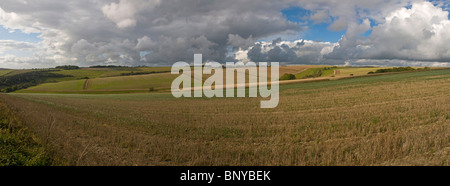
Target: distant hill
(4, 69)
(24, 80)
(12, 80)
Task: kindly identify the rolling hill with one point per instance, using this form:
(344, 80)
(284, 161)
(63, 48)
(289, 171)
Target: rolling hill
(395, 119)
(159, 79)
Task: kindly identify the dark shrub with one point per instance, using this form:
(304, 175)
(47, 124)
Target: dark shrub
(68, 67)
(287, 77)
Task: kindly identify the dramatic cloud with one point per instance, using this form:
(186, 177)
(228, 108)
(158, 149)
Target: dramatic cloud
(155, 32)
(123, 13)
(240, 43)
(420, 33)
(296, 52)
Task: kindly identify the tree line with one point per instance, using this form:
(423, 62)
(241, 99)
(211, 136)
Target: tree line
(25, 80)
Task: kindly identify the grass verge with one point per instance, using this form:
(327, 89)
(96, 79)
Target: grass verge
(18, 147)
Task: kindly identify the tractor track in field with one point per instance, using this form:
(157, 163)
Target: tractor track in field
(86, 84)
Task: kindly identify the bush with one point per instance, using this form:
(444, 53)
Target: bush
(395, 69)
(18, 147)
(68, 67)
(287, 77)
(25, 80)
(310, 73)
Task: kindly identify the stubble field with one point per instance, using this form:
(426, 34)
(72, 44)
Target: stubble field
(399, 119)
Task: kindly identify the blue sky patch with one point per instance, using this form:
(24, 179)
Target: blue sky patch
(18, 35)
(315, 32)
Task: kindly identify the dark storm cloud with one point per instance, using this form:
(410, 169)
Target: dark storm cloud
(111, 30)
(297, 52)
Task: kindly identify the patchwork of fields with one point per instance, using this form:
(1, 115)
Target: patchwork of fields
(101, 81)
(119, 84)
(398, 119)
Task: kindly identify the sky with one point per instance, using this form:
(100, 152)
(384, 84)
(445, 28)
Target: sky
(48, 33)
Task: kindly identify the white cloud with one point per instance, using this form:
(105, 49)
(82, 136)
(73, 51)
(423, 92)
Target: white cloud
(13, 21)
(124, 12)
(419, 33)
(121, 13)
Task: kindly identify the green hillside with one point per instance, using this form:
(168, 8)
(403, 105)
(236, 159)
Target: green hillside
(91, 73)
(121, 84)
(158, 79)
(4, 72)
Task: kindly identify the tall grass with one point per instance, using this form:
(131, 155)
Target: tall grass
(18, 147)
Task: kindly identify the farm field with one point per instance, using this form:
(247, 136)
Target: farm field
(111, 81)
(104, 72)
(95, 81)
(3, 72)
(140, 83)
(356, 71)
(13, 72)
(396, 119)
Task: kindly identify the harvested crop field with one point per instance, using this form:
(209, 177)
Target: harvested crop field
(398, 119)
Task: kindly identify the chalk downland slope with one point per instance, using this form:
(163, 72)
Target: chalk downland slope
(395, 119)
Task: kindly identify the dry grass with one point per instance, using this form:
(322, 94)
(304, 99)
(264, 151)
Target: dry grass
(395, 122)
